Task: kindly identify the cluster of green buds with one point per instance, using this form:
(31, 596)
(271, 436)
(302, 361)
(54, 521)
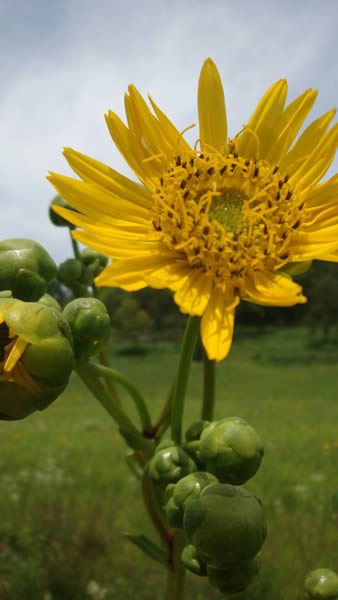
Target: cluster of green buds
(90, 325)
(225, 528)
(321, 584)
(224, 524)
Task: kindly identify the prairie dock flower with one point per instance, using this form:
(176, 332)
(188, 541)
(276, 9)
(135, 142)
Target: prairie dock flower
(229, 219)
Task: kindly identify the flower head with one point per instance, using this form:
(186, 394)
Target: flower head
(230, 219)
(36, 357)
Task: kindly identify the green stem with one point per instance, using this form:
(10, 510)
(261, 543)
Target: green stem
(187, 351)
(154, 509)
(163, 420)
(176, 576)
(208, 388)
(112, 375)
(110, 383)
(75, 246)
(100, 392)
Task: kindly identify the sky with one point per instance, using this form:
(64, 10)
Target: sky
(64, 63)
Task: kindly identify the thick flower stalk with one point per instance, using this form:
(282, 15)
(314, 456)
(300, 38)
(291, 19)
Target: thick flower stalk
(227, 220)
(36, 357)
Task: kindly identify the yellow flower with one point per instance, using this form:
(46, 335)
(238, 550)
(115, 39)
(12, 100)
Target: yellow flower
(227, 220)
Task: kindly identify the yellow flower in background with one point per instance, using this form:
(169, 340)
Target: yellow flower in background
(229, 219)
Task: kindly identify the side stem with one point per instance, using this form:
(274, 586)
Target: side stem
(176, 575)
(208, 388)
(187, 351)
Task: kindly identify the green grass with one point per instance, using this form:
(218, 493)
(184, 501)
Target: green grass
(66, 494)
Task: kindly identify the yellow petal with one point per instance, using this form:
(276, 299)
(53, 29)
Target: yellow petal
(211, 108)
(291, 121)
(307, 142)
(217, 324)
(172, 134)
(15, 354)
(273, 289)
(259, 134)
(91, 199)
(94, 171)
(129, 274)
(194, 293)
(115, 246)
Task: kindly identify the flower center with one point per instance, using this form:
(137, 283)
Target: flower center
(226, 214)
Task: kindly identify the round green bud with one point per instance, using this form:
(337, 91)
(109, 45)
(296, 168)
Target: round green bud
(70, 271)
(54, 217)
(226, 524)
(231, 450)
(90, 325)
(36, 357)
(192, 561)
(94, 261)
(236, 577)
(170, 463)
(322, 584)
(25, 268)
(51, 302)
(187, 489)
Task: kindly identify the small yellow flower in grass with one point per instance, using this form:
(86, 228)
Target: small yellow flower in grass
(230, 219)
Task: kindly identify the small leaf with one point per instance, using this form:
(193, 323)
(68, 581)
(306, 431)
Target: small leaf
(148, 547)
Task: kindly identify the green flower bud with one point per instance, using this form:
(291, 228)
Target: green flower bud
(94, 261)
(170, 463)
(194, 431)
(70, 271)
(188, 488)
(57, 219)
(90, 325)
(192, 561)
(231, 450)
(236, 577)
(25, 268)
(321, 584)
(226, 524)
(36, 357)
(49, 301)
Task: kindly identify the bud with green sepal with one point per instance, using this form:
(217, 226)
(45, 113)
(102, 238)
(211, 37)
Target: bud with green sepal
(170, 463)
(236, 577)
(49, 301)
(94, 261)
(57, 219)
(192, 444)
(226, 524)
(25, 268)
(90, 325)
(231, 449)
(187, 489)
(321, 584)
(36, 357)
(192, 561)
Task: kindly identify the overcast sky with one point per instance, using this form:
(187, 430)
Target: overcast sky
(63, 63)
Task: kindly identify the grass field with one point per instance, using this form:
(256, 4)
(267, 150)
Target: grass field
(66, 494)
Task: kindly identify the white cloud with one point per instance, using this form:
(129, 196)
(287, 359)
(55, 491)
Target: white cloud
(70, 67)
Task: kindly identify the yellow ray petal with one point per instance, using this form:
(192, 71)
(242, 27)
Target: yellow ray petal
(319, 197)
(316, 165)
(262, 124)
(129, 274)
(116, 247)
(217, 324)
(291, 121)
(133, 152)
(94, 171)
(15, 354)
(194, 293)
(91, 199)
(211, 107)
(307, 142)
(172, 134)
(273, 289)
(102, 224)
